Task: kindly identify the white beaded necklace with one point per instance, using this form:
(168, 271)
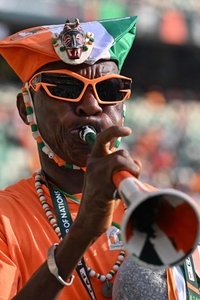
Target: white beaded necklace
(53, 222)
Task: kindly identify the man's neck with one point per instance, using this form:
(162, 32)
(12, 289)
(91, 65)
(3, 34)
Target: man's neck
(68, 180)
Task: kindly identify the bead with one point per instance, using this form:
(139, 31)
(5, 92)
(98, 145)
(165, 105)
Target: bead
(103, 278)
(91, 40)
(52, 221)
(88, 34)
(116, 267)
(121, 256)
(68, 166)
(34, 127)
(43, 202)
(35, 134)
(62, 48)
(118, 263)
(41, 145)
(45, 206)
(57, 229)
(55, 35)
(109, 276)
(48, 213)
(76, 167)
(85, 48)
(51, 155)
(92, 273)
(30, 118)
(46, 209)
(29, 110)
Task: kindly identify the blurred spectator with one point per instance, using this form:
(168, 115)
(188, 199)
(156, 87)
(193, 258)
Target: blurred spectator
(173, 27)
(18, 154)
(4, 30)
(166, 140)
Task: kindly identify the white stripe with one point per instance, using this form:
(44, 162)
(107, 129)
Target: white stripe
(180, 283)
(100, 50)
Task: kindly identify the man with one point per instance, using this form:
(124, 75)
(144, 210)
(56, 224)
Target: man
(56, 105)
(59, 229)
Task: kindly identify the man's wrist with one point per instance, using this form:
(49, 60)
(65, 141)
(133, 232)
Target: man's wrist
(53, 269)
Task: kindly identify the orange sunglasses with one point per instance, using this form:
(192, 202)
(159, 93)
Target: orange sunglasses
(70, 86)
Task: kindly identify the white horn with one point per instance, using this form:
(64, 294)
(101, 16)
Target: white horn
(160, 228)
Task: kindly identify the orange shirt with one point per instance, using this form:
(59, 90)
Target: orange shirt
(26, 235)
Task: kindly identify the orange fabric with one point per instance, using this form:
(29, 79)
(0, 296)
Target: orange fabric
(26, 235)
(196, 260)
(172, 291)
(27, 45)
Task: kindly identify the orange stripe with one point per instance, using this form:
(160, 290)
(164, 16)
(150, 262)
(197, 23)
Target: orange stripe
(171, 286)
(193, 288)
(39, 139)
(119, 176)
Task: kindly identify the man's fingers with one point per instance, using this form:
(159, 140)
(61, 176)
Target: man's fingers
(104, 139)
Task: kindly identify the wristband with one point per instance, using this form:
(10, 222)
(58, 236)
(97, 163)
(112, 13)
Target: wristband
(53, 269)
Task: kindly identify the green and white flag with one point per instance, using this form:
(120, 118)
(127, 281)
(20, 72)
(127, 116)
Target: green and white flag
(28, 50)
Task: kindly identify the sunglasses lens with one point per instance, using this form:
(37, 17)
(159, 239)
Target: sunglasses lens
(63, 86)
(112, 90)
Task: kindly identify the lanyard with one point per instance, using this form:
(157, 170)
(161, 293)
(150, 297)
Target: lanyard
(64, 221)
(191, 279)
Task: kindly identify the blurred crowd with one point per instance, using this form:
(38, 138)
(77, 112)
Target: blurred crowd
(172, 21)
(18, 155)
(165, 138)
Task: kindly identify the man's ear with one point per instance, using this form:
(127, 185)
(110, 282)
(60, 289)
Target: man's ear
(22, 108)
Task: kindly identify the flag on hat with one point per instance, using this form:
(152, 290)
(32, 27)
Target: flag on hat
(30, 49)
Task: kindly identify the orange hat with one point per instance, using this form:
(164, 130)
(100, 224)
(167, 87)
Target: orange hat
(30, 49)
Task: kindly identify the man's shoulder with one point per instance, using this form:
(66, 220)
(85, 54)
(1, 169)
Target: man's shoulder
(17, 190)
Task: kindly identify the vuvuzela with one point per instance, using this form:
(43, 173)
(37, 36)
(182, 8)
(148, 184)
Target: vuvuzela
(160, 228)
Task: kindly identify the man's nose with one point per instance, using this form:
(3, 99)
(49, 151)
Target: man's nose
(88, 105)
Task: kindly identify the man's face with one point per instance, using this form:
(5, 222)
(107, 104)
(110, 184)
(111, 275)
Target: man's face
(59, 121)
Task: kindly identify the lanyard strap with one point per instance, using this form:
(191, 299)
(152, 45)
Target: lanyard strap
(64, 221)
(191, 279)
